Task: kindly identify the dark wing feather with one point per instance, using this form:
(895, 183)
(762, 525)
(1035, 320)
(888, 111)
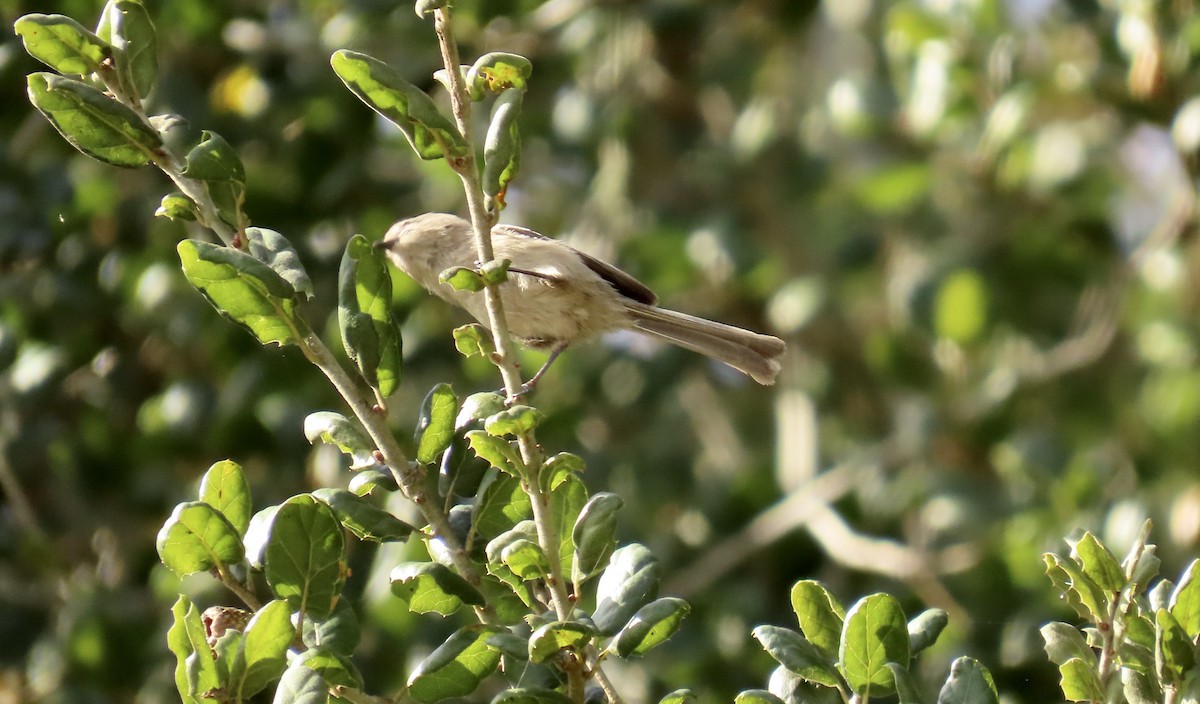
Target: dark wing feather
(625, 284)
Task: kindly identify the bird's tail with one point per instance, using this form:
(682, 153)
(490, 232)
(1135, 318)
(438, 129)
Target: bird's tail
(749, 352)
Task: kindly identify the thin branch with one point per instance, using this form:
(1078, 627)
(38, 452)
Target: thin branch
(237, 587)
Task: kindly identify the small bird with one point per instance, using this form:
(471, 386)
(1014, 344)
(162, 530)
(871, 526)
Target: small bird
(556, 295)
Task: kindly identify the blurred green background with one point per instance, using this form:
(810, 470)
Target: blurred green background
(972, 220)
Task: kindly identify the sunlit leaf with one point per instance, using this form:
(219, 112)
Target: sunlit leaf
(305, 556)
(197, 538)
(62, 43)
(92, 122)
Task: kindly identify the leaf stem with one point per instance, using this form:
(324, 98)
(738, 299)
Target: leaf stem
(408, 476)
(236, 586)
(505, 355)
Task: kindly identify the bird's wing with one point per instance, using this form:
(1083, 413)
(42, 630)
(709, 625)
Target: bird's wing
(625, 284)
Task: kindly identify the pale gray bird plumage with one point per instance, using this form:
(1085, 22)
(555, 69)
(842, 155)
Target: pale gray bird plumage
(556, 295)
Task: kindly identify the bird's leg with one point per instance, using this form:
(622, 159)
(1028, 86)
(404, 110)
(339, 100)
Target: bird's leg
(527, 387)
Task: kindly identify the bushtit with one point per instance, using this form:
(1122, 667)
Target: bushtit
(556, 295)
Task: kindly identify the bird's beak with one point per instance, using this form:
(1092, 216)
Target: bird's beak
(380, 245)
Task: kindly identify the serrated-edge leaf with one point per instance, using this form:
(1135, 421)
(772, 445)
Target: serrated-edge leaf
(1099, 563)
(197, 538)
(195, 669)
(224, 487)
(432, 587)
(515, 420)
(62, 43)
(92, 122)
(1089, 594)
(1174, 653)
(497, 452)
(552, 637)
(500, 504)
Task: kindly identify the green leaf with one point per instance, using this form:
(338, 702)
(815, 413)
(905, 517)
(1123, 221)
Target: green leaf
(651, 626)
(1174, 653)
(552, 637)
(62, 43)
(1099, 564)
(344, 434)
(262, 655)
(335, 669)
(502, 146)
(516, 420)
(455, 668)
(339, 632)
(369, 482)
(499, 71)
(461, 278)
(1079, 682)
(217, 166)
(429, 132)
(969, 683)
(195, 669)
(176, 206)
(923, 631)
(756, 696)
(679, 696)
(126, 25)
(1139, 688)
(497, 452)
(224, 487)
(473, 339)
(369, 332)
(797, 654)
(306, 556)
(362, 518)
(794, 689)
(1064, 642)
(478, 406)
(594, 535)
(460, 471)
(566, 502)
(197, 538)
(1077, 588)
(301, 685)
(558, 469)
(244, 290)
(820, 616)
(495, 272)
(274, 250)
(906, 689)
(500, 504)
(628, 583)
(92, 122)
(213, 159)
(526, 559)
(510, 645)
(435, 427)
(1185, 601)
(527, 695)
(432, 587)
(874, 635)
